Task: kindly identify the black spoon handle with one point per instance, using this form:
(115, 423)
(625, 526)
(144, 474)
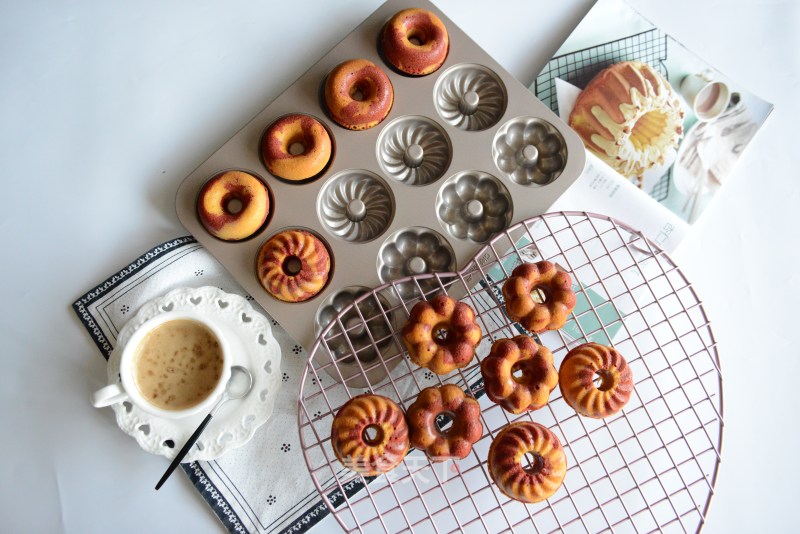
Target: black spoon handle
(184, 451)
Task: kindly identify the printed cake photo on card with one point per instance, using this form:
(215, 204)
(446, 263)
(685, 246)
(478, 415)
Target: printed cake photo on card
(663, 129)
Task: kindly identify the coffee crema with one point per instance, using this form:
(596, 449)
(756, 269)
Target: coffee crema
(178, 364)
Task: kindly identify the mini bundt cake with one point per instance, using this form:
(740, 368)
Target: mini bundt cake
(537, 374)
(539, 296)
(293, 265)
(441, 334)
(369, 434)
(576, 378)
(534, 483)
(455, 442)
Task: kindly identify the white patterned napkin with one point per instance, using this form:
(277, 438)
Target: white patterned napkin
(241, 486)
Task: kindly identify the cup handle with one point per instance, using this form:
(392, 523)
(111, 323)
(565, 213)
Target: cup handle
(111, 394)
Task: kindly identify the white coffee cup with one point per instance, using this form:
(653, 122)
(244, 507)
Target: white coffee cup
(128, 390)
(708, 98)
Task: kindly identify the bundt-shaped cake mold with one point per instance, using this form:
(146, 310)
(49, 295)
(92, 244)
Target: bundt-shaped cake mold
(356, 205)
(529, 151)
(470, 97)
(414, 150)
(474, 205)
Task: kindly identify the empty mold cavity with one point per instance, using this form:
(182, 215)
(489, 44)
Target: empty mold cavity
(361, 331)
(356, 205)
(529, 151)
(474, 205)
(413, 251)
(414, 150)
(470, 97)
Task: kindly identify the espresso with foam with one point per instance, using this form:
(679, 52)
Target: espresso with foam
(178, 364)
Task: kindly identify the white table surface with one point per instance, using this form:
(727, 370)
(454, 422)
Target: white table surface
(106, 106)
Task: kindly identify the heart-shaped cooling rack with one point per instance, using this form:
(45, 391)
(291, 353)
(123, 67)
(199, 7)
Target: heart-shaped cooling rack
(651, 466)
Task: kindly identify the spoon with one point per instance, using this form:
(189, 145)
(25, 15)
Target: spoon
(239, 384)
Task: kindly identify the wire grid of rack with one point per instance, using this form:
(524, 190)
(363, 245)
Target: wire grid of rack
(651, 467)
(579, 67)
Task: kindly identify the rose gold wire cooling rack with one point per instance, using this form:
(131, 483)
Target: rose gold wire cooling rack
(650, 467)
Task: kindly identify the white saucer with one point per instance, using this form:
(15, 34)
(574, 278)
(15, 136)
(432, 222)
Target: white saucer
(253, 346)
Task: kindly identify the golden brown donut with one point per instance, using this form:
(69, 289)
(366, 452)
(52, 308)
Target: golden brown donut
(415, 41)
(555, 287)
(441, 334)
(576, 378)
(529, 484)
(220, 193)
(293, 265)
(353, 443)
(630, 117)
(529, 391)
(291, 130)
(354, 77)
(466, 426)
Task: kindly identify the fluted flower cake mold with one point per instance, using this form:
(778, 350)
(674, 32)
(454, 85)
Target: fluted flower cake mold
(432, 176)
(415, 250)
(530, 151)
(474, 205)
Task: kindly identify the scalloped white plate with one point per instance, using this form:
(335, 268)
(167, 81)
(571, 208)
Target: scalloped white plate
(253, 346)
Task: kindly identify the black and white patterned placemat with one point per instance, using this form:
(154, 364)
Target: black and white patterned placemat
(263, 486)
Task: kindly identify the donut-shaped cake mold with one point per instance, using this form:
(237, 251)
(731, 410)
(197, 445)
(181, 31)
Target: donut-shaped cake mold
(470, 97)
(529, 151)
(411, 251)
(365, 332)
(414, 150)
(355, 205)
(474, 205)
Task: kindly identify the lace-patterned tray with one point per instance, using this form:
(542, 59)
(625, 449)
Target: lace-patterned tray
(253, 346)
